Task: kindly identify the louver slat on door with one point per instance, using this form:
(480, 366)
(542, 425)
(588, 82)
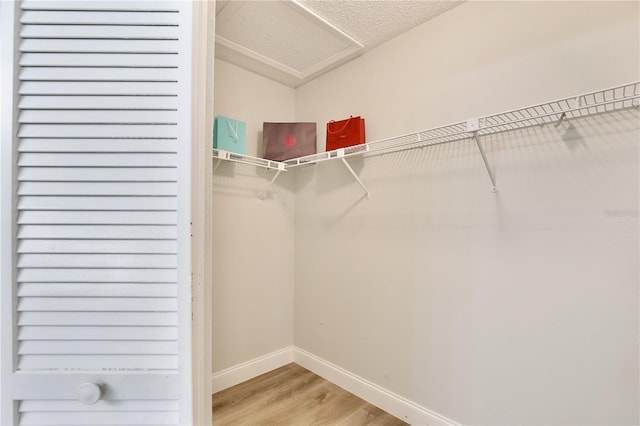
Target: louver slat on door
(90, 46)
(82, 16)
(66, 413)
(97, 88)
(90, 246)
(102, 117)
(65, 174)
(96, 60)
(103, 103)
(97, 207)
(89, 32)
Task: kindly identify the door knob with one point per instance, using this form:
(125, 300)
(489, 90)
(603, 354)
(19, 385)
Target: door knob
(89, 393)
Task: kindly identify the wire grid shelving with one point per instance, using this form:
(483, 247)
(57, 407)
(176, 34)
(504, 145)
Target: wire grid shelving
(221, 155)
(601, 101)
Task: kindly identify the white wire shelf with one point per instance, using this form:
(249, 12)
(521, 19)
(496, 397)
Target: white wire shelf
(601, 101)
(221, 155)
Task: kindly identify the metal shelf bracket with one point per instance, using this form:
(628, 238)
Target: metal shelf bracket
(473, 126)
(486, 163)
(220, 155)
(280, 169)
(563, 117)
(217, 164)
(340, 155)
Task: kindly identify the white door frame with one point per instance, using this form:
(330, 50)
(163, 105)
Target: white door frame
(202, 189)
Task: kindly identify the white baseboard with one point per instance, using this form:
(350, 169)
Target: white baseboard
(248, 370)
(394, 404)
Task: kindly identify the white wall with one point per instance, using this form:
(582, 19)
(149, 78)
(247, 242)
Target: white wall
(253, 267)
(519, 307)
(481, 57)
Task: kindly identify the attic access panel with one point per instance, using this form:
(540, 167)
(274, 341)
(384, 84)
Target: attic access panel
(282, 40)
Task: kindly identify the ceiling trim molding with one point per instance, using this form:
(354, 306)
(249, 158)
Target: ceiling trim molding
(223, 42)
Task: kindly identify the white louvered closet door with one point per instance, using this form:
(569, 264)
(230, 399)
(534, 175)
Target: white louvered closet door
(101, 258)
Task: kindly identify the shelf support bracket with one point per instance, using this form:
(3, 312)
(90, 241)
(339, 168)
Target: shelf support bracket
(486, 163)
(275, 177)
(281, 168)
(355, 176)
(563, 117)
(216, 165)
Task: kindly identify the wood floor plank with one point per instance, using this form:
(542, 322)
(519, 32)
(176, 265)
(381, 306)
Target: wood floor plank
(294, 396)
(371, 416)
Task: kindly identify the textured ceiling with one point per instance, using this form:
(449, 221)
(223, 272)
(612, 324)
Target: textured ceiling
(296, 41)
(374, 22)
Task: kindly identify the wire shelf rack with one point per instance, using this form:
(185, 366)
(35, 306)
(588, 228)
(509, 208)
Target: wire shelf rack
(601, 101)
(221, 155)
(554, 112)
(615, 98)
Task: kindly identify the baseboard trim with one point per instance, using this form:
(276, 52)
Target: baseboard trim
(394, 404)
(248, 370)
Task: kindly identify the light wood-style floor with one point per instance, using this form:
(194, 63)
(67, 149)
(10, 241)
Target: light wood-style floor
(294, 396)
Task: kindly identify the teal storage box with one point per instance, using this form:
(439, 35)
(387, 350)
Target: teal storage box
(229, 135)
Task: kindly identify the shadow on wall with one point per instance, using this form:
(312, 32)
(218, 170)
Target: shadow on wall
(570, 135)
(259, 144)
(541, 171)
(530, 151)
(357, 164)
(242, 180)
